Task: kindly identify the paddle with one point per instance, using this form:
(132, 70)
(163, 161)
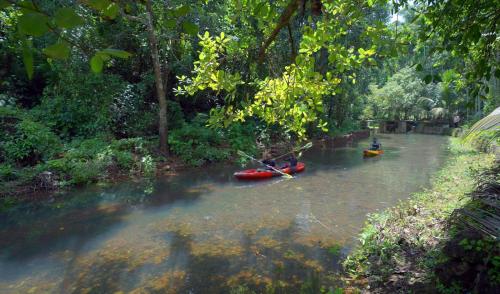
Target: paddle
(241, 153)
(307, 146)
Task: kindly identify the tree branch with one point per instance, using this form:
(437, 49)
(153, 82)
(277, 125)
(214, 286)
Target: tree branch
(293, 52)
(283, 21)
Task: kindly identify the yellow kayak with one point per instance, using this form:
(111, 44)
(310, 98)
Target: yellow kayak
(370, 153)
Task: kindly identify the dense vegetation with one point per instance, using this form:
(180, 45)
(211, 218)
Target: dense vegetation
(94, 90)
(104, 88)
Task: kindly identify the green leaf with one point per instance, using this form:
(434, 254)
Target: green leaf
(104, 56)
(57, 51)
(112, 11)
(4, 4)
(99, 4)
(261, 10)
(116, 53)
(419, 67)
(190, 28)
(428, 79)
(28, 58)
(67, 18)
(182, 10)
(437, 78)
(96, 63)
(170, 23)
(34, 24)
(264, 11)
(128, 8)
(27, 6)
(475, 33)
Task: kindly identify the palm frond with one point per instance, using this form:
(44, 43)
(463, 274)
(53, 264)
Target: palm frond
(426, 102)
(438, 112)
(490, 122)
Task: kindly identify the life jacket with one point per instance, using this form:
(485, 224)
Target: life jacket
(269, 162)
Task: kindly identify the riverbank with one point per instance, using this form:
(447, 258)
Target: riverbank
(104, 160)
(426, 244)
(205, 231)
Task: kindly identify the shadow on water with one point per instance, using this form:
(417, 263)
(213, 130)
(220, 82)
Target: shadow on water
(72, 218)
(258, 261)
(25, 240)
(65, 220)
(37, 227)
(101, 238)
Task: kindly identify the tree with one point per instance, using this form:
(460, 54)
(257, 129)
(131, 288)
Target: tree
(402, 97)
(468, 29)
(160, 88)
(291, 98)
(35, 21)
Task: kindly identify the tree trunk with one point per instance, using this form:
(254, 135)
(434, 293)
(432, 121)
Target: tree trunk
(160, 89)
(293, 52)
(283, 21)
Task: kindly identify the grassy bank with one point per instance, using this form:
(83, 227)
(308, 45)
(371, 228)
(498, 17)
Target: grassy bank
(423, 245)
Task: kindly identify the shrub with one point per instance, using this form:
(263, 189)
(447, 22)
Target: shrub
(79, 104)
(124, 160)
(92, 159)
(30, 143)
(242, 137)
(84, 162)
(133, 116)
(84, 172)
(347, 126)
(7, 172)
(175, 115)
(196, 144)
(486, 139)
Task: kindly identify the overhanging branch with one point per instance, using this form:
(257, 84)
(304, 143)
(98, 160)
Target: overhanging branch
(284, 20)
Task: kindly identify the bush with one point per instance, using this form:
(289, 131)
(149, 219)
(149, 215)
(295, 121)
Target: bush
(79, 104)
(84, 172)
(131, 114)
(28, 143)
(242, 137)
(196, 144)
(7, 172)
(92, 159)
(347, 126)
(175, 115)
(485, 140)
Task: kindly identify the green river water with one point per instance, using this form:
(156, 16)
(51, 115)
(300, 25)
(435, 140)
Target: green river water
(202, 231)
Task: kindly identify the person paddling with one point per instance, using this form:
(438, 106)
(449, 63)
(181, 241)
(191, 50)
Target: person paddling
(375, 145)
(291, 162)
(267, 159)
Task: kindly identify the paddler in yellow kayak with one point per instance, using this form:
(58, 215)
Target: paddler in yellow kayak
(375, 145)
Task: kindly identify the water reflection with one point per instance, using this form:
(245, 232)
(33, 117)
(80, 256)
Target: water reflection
(202, 231)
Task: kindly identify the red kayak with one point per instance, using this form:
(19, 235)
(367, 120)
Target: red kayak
(256, 174)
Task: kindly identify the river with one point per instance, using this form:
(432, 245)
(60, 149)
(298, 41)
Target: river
(202, 231)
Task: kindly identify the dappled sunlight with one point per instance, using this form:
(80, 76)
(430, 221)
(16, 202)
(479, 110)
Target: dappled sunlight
(194, 234)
